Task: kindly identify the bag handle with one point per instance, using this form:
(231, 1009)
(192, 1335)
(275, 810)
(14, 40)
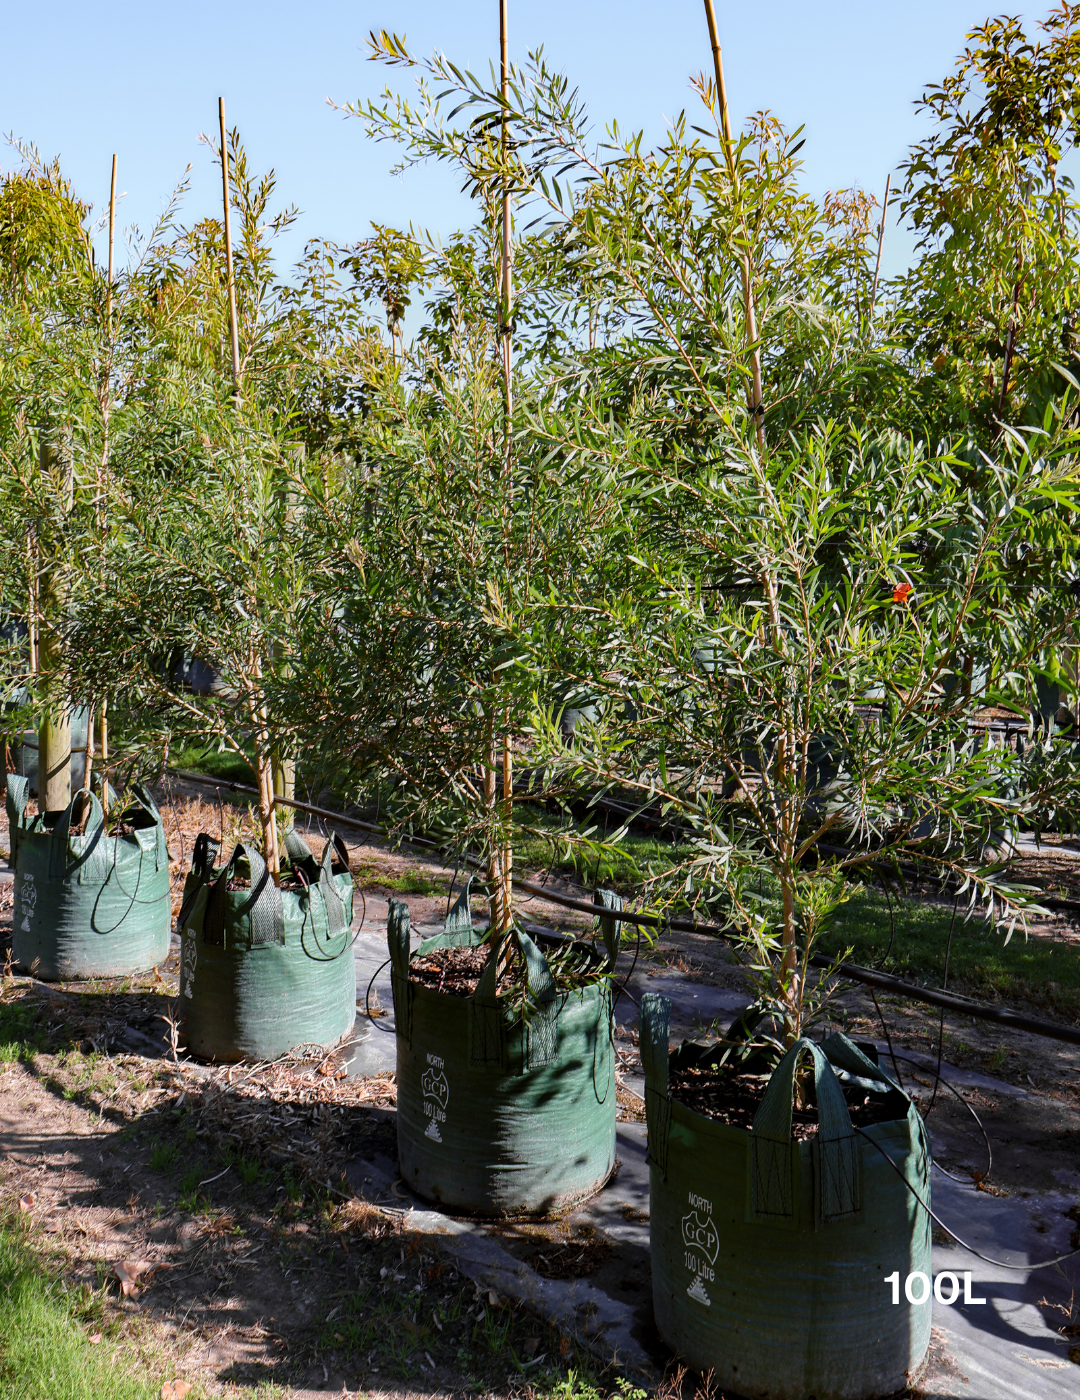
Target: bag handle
(143, 797)
(846, 1055)
(15, 800)
(336, 921)
(609, 928)
(397, 941)
(95, 819)
(542, 1029)
(204, 855)
(58, 845)
(457, 926)
(773, 1153)
(264, 909)
(141, 793)
(202, 867)
(654, 1022)
(297, 849)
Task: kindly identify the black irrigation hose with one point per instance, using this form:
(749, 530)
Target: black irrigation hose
(367, 1000)
(626, 980)
(998, 1263)
(989, 1150)
(888, 1038)
(1033, 1025)
(938, 1080)
(941, 1018)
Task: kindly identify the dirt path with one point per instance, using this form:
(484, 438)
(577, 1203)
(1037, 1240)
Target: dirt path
(245, 1279)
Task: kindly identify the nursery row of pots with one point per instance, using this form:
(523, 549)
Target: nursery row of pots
(769, 1254)
(262, 968)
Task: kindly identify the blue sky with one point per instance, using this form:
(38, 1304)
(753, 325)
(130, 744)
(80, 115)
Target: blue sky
(143, 81)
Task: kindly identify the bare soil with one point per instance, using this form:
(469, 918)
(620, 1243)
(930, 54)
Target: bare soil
(246, 1273)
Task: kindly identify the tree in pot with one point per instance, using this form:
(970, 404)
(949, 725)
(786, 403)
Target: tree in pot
(204, 566)
(784, 658)
(504, 1040)
(92, 902)
(204, 563)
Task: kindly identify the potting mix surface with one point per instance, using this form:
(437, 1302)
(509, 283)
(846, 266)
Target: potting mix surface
(734, 1099)
(456, 971)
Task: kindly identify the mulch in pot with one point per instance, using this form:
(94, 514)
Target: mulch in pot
(735, 1099)
(455, 971)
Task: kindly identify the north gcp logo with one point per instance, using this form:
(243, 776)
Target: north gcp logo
(701, 1234)
(702, 1244)
(434, 1085)
(436, 1096)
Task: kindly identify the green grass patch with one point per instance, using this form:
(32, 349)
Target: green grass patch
(621, 867)
(981, 963)
(192, 1179)
(45, 1347)
(250, 1171)
(21, 1035)
(407, 882)
(164, 1156)
(228, 766)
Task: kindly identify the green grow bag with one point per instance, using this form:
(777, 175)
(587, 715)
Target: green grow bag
(769, 1256)
(500, 1117)
(90, 905)
(263, 969)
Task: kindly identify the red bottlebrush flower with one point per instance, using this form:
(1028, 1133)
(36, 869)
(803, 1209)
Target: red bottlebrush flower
(901, 592)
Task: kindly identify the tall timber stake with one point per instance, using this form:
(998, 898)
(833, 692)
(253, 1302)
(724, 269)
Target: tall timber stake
(233, 334)
(103, 481)
(880, 245)
(502, 859)
(54, 737)
(757, 406)
(112, 242)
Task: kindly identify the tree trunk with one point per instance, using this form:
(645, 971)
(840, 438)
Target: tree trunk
(267, 815)
(789, 969)
(507, 897)
(491, 822)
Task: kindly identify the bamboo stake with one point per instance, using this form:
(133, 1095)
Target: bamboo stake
(104, 721)
(507, 274)
(880, 245)
(112, 236)
(494, 865)
(54, 736)
(228, 246)
(88, 751)
(32, 601)
(757, 407)
(506, 873)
